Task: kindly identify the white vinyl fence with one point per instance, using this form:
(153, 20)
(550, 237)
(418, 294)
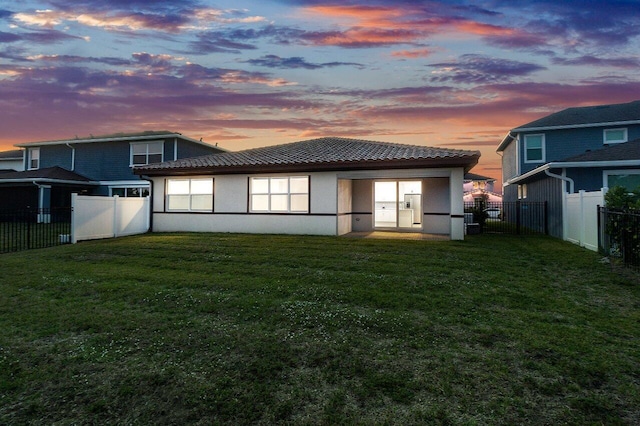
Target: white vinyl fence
(582, 218)
(108, 217)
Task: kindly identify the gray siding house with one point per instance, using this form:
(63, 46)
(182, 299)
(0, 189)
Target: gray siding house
(583, 148)
(102, 165)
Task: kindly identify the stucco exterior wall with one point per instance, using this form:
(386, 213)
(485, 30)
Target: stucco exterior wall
(340, 202)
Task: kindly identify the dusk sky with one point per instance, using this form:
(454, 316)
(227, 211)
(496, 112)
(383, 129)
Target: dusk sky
(243, 74)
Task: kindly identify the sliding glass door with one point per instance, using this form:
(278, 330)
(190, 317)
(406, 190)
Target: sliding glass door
(398, 204)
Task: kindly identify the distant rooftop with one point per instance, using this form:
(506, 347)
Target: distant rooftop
(330, 153)
(14, 154)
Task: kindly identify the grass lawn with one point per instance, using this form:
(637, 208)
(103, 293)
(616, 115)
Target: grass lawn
(238, 329)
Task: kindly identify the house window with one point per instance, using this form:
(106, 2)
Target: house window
(190, 195)
(143, 153)
(33, 158)
(615, 136)
(289, 194)
(130, 191)
(522, 191)
(534, 148)
(628, 179)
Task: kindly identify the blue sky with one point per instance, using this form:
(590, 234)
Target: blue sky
(243, 74)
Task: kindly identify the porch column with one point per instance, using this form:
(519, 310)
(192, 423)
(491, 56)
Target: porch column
(456, 182)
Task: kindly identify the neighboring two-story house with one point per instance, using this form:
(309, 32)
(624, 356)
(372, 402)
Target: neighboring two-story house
(91, 166)
(583, 148)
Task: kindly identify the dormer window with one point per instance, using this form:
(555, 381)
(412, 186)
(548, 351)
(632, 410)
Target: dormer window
(143, 153)
(614, 136)
(33, 158)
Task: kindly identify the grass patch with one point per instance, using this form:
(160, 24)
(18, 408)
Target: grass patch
(239, 329)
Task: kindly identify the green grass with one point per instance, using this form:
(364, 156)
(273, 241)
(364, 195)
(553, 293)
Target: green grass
(237, 329)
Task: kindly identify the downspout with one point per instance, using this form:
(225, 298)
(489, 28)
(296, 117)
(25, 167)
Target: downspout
(565, 222)
(73, 157)
(563, 178)
(150, 201)
(175, 149)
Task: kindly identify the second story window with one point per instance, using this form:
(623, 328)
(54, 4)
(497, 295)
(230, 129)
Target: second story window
(534, 148)
(615, 136)
(143, 153)
(33, 158)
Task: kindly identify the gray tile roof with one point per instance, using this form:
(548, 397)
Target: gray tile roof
(48, 173)
(330, 153)
(618, 152)
(581, 116)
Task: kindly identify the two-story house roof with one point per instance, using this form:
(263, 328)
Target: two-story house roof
(95, 165)
(582, 148)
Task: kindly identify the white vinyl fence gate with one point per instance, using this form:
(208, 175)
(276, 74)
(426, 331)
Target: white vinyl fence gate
(582, 218)
(108, 217)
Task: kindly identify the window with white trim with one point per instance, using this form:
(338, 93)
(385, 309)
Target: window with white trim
(534, 148)
(130, 191)
(614, 136)
(190, 195)
(33, 158)
(287, 194)
(522, 191)
(628, 179)
(143, 153)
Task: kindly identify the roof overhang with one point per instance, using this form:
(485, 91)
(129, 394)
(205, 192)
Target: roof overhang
(505, 141)
(572, 165)
(576, 126)
(123, 138)
(467, 162)
(49, 181)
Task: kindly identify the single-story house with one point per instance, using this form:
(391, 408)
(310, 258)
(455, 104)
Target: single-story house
(325, 186)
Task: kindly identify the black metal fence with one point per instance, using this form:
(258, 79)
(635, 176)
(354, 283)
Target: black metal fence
(517, 217)
(619, 235)
(34, 228)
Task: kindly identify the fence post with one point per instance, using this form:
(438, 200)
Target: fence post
(518, 213)
(74, 203)
(115, 215)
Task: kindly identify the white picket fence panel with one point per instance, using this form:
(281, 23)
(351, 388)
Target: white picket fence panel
(582, 218)
(108, 217)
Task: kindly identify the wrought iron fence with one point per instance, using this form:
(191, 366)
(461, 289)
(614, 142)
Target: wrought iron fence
(517, 217)
(34, 228)
(619, 235)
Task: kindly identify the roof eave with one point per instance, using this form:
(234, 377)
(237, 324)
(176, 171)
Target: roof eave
(505, 141)
(573, 164)
(48, 180)
(575, 126)
(124, 138)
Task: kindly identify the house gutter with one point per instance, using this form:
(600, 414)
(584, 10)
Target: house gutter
(573, 164)
(563, 178)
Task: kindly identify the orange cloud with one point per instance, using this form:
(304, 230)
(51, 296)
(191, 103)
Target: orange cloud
(411, 54)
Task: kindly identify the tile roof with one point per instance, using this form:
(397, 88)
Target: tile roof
(48, 173)
(581, 116)
(618, 152)
(329, 153)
